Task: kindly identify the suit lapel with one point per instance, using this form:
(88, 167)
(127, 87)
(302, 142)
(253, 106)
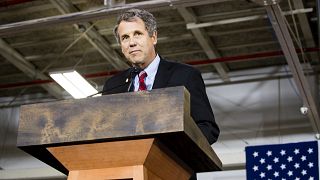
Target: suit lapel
(125, 88)
(163, 74)
(121, 85)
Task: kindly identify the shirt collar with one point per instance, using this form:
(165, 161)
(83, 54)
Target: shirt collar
(152, 68)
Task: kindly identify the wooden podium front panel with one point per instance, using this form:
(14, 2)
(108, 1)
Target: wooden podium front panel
(103, 155)
(143, 159)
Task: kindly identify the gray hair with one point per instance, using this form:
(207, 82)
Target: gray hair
(130, 15)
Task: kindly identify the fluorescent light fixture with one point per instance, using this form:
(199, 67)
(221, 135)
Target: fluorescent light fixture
(73, 83)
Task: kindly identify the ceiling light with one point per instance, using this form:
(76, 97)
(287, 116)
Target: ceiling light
(73, 83)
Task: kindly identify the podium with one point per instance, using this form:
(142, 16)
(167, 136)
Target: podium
(136, 135)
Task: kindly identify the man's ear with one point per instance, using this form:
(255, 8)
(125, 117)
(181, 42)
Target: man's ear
(155, 37)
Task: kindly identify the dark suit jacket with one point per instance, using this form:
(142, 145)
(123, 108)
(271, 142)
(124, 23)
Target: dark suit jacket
(171, 74)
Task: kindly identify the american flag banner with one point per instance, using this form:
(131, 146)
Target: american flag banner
(293, 161)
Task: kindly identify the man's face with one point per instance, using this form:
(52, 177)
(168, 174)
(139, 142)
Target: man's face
(136, 44)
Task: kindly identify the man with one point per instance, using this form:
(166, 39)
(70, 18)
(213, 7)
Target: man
(136, 31)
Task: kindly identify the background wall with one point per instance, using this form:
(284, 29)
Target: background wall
(251, 113)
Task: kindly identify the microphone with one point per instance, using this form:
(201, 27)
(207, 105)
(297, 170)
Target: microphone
(133, 71)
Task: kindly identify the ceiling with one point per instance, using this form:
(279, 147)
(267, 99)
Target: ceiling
(216, 36)
(234, 43)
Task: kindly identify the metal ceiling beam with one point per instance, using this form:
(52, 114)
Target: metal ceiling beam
(95, 14)
(204, 41)
(304, 24)
(231, 14)
(305, 28)
(92, 35)
(278, 22)
(242, 19)
(29, 69)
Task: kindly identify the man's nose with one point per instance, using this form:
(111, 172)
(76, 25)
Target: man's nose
(132, 42)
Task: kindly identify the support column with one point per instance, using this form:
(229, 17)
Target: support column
(277, 20)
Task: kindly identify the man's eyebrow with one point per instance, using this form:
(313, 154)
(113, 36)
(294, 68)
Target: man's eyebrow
(137, 31)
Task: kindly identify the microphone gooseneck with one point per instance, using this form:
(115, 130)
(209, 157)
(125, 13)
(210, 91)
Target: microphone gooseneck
(133, 71)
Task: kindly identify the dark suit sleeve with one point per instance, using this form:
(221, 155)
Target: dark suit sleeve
(201, 110)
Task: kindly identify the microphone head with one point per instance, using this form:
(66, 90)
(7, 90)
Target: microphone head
(134, 71)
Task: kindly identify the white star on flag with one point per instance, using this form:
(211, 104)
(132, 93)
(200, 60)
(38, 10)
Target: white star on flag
(269, 153)
(269, 167)
(303, 172)
(310, 164)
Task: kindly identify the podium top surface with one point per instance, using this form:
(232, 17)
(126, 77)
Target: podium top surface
(160, 113)
(104, 118)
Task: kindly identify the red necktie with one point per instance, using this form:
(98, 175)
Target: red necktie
(142, 84)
